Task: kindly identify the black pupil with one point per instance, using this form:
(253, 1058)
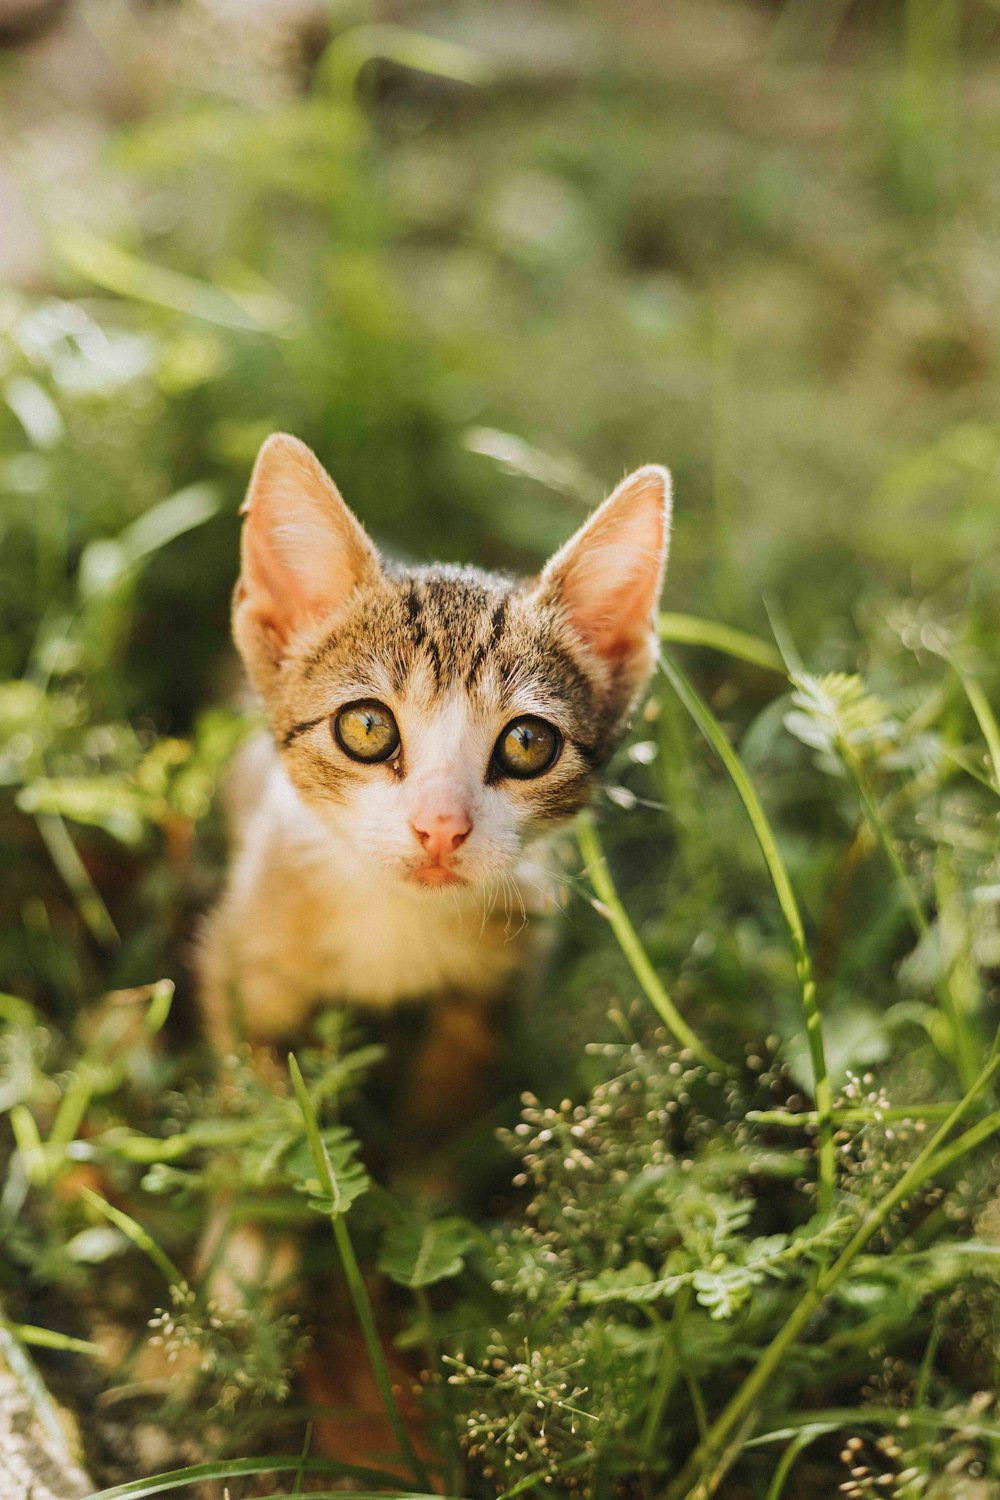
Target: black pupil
(526, 736)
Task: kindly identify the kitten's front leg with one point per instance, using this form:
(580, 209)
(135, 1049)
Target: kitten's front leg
(251, 998)
(448, 1078)
(254, 974)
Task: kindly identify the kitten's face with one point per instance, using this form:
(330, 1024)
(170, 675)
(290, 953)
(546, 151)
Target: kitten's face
(439, 718)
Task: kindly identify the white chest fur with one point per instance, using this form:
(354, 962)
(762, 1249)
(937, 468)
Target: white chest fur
(380, 947)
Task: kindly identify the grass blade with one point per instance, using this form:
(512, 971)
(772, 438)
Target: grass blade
(986, 719)
(17, 1359)
(361, 1495)
(74, 872)
(851, 1418)
(628, 940)
(236, 1468)
(140, 1237)
(712, 731)
(348, 53)
(688, 630)
(48, 1338)
(107, 265)
(798, 1443)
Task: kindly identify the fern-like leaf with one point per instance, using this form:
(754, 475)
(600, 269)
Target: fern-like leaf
(347, 1178)
(835, 715)
(420, 1252)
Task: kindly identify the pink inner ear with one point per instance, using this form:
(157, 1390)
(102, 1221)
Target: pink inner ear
(608, 576)
(303, 551)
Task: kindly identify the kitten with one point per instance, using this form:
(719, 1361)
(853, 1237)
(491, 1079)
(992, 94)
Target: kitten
(427, 725)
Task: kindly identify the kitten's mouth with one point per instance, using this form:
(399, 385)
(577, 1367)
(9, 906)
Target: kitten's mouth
(435, 875)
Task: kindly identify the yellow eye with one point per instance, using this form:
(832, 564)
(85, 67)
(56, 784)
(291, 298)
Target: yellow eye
(527, 747)
(366, 731)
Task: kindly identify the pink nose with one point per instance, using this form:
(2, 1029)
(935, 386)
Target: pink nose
(441, 833)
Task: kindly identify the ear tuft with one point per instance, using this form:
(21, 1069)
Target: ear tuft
(303, 552)
(607, 578)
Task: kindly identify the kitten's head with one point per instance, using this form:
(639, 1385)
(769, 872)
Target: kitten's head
(440, 717)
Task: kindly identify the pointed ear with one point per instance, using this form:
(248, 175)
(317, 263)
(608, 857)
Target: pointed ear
(303, 551)
(607, 578)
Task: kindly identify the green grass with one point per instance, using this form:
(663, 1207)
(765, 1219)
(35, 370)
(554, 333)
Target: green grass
(745, 1214)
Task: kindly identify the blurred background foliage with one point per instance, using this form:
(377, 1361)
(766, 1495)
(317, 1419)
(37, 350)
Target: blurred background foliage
(484, 259)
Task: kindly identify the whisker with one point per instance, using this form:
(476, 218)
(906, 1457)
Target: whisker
(489, 895)
(511, 884)
(506, 903)
(524, 915)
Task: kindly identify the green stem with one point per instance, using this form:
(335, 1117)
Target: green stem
(808, 1119)
(791, 1453)
(877, 823)
(672, 1366)
(432, 1354)
(986, 720)
(968, 1141)
(355, 1283)
(961, 1044)
(687, 1374)
(73, 1105)
(925, 1443)
(958, 987)
(628, 940)
(366, 1317)
(666, 1378)
(928, 1163)
(306, 1445)
(712, 731)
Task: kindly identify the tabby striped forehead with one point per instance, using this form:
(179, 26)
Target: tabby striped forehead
(423, 635)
